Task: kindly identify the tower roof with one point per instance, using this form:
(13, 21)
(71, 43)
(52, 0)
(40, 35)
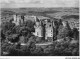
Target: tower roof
(37, 19)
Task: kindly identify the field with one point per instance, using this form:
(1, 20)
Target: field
(49, 12)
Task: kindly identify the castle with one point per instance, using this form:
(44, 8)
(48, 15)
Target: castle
(18, 19)
(44, 28)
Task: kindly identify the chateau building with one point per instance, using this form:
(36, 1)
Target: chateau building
(18, 19)
(44, 29)
(43, 26)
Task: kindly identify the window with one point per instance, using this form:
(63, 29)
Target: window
(37, 33)
(51, 35)
(51, 30)
(50, 25)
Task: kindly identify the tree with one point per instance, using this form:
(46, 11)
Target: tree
(7, 26)
(56, 26)
(75, 33)
(64, 31)
(30, 25)
(3, 37)
(60, 22)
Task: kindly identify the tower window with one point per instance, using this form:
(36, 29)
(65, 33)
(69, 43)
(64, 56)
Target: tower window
(37, 33)
(51, 30)
(50, 25)
(51, 34)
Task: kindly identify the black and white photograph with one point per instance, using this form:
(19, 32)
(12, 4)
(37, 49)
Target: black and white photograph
(39, 27)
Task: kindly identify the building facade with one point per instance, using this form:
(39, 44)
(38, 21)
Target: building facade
(18, 19)
(44, 29)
